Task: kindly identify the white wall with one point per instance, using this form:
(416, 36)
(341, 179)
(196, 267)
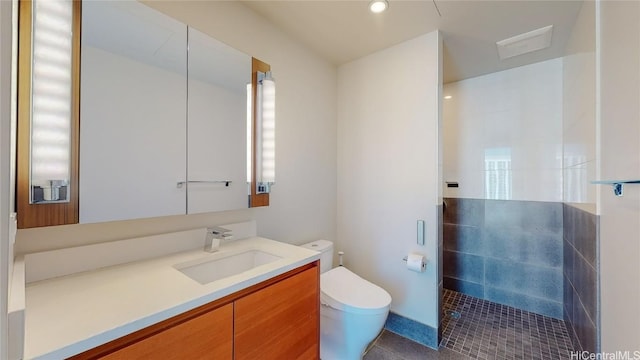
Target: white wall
(6, 156)
(5, 123)
(513, 115)
(579, 112)
(619, 126)
(387, 170)
(303, 202)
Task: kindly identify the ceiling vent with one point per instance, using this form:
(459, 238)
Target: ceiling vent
(525, 43)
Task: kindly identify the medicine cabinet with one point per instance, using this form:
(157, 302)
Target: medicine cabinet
(163, 121)
(133, 112)
(217, 125)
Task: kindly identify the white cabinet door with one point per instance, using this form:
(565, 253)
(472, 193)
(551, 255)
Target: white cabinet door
(217, 125)
(132, 113)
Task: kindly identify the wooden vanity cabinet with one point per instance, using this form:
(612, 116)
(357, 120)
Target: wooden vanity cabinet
(279, 321)
(207, 336)
(276, 319)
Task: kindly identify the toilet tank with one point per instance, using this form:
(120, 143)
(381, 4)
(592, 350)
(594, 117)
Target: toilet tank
(325, 247)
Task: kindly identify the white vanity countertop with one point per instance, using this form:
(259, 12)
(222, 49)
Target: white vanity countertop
(71, 314)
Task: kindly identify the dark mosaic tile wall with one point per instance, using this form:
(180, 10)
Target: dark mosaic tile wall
(581, 278)
(508, 252)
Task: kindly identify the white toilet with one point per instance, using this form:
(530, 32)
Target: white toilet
(352, 312)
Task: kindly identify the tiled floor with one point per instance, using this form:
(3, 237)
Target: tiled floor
(390, 346)
(484, 330)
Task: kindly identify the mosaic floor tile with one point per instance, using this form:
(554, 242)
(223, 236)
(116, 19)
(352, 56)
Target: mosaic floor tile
(481, 329)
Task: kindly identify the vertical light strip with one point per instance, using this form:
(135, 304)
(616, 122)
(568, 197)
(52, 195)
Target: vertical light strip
(249, 132)
(266, 133)
(51, 98)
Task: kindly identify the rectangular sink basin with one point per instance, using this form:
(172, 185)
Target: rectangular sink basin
(208, 270)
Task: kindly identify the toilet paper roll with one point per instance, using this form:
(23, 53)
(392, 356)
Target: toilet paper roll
(415, 262)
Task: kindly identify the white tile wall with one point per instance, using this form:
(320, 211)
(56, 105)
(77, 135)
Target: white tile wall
(577, 185)
(579, 113)
(514, 116)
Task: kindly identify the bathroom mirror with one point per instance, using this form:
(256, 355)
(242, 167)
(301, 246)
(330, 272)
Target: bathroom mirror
(132, 112)
(217, 125)
(137, 157)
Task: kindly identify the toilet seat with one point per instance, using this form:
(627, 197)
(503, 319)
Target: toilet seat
(343, 290)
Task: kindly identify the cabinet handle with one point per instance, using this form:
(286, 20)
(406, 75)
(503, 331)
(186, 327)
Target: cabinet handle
(225, 182)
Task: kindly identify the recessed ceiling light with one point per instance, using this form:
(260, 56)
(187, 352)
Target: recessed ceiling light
(447, 97)
(378, 6)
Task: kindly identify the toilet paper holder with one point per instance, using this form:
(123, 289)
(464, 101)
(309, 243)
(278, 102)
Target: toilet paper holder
(424, 264)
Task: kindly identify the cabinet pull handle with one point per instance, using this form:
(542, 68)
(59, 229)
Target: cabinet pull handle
(225, 182)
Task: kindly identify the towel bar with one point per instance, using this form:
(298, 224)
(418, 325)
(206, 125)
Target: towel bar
(617, 184)
(225, 182)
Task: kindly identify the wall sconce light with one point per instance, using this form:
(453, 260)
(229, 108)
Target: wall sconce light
(249, 136)
(266, 133)
(51, 95)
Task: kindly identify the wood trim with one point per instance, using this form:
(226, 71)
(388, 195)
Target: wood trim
(120, 343)
(318, 304)
(256, 200)
(36, 215)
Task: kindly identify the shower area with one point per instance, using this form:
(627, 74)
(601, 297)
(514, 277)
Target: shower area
(502, 224)
(520, 234)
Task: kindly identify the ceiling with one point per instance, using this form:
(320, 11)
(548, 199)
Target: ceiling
(342, 31)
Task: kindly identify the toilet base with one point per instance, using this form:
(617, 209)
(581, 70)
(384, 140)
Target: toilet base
(345, 336)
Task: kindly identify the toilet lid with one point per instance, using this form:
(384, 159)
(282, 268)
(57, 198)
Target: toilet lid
(343, 290)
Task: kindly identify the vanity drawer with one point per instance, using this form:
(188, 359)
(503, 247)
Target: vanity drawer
(206, 336)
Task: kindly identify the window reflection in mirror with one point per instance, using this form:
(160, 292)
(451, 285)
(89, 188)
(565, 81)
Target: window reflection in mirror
(498, 174)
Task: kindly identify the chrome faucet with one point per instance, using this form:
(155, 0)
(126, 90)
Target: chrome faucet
(213, 237)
